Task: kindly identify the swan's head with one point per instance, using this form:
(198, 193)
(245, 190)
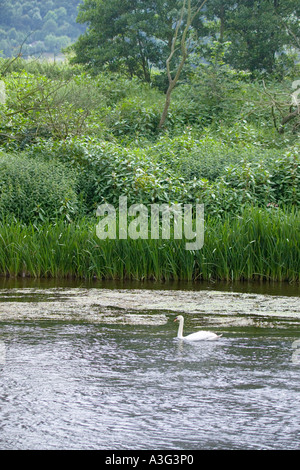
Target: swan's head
(179, 318)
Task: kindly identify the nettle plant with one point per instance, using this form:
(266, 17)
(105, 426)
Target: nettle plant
(286, 177)
(35, 190)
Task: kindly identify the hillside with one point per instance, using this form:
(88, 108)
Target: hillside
(45, 26)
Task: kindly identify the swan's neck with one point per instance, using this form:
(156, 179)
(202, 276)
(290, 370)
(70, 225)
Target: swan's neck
(180, 329)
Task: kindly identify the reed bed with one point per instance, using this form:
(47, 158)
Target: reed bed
(260, 244)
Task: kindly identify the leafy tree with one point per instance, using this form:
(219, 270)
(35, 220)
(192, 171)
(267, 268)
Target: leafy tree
(258, 30)
(119, 36)
(217, 13)
(39, 18)
(56, 43)
(6, 11)
(130, 35)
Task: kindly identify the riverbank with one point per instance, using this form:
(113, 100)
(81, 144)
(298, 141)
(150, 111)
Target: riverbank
(261, 244)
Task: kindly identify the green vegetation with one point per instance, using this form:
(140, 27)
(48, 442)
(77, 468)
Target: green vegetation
(76, 135)
(135, 36)
(32, 189)
(261, 244)
(41, 26)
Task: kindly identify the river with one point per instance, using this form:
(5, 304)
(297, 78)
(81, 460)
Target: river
(99, 366)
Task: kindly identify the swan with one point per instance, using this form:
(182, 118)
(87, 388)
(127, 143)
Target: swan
(198, 336)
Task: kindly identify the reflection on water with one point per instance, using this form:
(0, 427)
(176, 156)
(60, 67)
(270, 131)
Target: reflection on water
(269, 288)
(123, 381)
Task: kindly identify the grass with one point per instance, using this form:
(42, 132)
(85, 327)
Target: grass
(261, 244)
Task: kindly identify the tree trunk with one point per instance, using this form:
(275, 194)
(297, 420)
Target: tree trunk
(184, 54)
(288, 118)
(166, 107)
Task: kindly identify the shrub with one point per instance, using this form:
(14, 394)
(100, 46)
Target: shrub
(37, 106)
(137, 114)
(207, 155)
(286, 177)
(107, 170)
(159, 173)
(272, 181)
(34, 189)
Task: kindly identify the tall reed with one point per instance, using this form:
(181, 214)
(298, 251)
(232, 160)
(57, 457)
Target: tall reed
(261, 244)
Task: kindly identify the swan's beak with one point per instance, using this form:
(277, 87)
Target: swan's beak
(175, 319)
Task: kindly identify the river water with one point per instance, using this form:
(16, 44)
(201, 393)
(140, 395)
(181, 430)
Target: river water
(99, 367)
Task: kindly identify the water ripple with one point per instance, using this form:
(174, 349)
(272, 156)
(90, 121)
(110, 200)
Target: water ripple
(112, 376)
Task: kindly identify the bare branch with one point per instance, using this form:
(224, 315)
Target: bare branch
(281, 107)
(288, 118)
(184, 53)
(11, 61)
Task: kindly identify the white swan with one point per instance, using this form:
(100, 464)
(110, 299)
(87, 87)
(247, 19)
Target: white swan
(198, 336)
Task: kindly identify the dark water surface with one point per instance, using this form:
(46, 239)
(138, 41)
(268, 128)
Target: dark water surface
(86, 367)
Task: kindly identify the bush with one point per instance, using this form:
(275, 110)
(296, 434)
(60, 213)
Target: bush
(37, 106)
(286, 177)
(160, 173)
(134, 117)
(273, 181)
(135, 114)
(107, 170)
(34, 189)
(270, 184)
(207, 155)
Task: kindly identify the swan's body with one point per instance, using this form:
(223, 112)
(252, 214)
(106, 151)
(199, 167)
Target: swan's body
(198, 336)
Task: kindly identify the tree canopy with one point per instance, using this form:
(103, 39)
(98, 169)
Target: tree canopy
(126, 35)
(43, 26)
(135, 35)
(259, 31)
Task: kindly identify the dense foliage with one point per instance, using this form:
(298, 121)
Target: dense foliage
(72, 138)
(260, 32)
(41, 26)
(223, 150)
(32, 189)
(133, 37)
